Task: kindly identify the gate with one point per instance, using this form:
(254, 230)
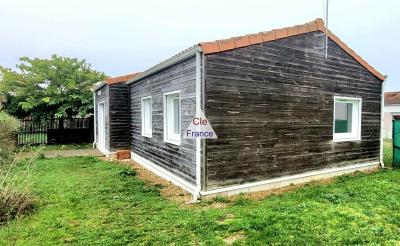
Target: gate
(55, 131)
(396, 141)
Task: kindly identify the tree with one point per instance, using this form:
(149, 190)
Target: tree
(44, 88)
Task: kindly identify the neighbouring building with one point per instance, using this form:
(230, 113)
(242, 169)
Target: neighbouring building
(282, 111)
(392, 108)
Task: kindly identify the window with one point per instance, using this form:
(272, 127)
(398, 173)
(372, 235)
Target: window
(347, 119)
(146, 117)
(172, 118)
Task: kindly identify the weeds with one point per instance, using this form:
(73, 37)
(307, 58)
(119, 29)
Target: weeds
(16, 197)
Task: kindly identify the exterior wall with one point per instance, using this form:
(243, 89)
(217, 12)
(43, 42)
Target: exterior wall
(390, 110)
(180, 160)
(271, 106)
(119, 138)
(103, 96)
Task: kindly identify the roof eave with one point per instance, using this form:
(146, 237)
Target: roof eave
(167, 63)
(99, 86)
(222, 45)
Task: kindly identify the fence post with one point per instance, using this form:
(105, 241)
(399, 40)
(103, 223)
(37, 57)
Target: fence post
(91, 127)
(61, 129)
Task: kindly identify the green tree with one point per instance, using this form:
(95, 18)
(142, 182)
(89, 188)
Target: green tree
(44, 88)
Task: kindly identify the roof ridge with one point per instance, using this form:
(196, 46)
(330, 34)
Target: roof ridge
(275, 34)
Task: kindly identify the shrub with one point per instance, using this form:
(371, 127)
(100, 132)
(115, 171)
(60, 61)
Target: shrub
(16, 197)
(8, 127)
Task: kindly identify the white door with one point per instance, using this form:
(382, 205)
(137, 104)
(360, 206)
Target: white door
(101, 126)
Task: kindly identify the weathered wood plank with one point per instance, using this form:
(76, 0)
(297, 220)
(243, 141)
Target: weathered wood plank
(180, 160)
(271, 106)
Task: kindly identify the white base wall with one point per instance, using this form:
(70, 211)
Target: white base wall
(164, 173)
(288, 180)
(255, 186)
(104, 151)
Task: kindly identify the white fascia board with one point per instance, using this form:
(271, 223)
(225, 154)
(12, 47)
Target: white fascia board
(199, 93)
(99, 86)
(167, 63)
(382, 123)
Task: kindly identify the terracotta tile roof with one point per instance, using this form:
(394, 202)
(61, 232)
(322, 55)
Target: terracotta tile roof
(392, 97)
(119, 79)
(316, 25)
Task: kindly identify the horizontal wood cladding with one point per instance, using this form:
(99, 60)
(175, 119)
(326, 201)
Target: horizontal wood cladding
(271, 106)
(102, 96)
(180, 160)
(119, 117)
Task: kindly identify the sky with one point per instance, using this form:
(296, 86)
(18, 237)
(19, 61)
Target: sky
(124, 36)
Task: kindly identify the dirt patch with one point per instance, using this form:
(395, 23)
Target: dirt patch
(259, 195)
(233, 238)
(167, 189)
(182, 197)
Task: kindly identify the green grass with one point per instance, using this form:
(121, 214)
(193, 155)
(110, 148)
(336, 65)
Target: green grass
(55, 147)
(388, 152)
(88, 201)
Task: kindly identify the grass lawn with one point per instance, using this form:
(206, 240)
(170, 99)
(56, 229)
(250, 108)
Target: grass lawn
(55, 147)
(388, 152)
(89, 201)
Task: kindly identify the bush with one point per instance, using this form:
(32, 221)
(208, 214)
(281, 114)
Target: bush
(8, 127)
(16, 197)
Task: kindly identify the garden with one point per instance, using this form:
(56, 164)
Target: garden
(81, 200)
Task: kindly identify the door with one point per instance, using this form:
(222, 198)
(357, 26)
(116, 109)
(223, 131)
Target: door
(101, 126)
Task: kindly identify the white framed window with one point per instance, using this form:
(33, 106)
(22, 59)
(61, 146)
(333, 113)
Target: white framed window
(347, 119)
(172, 118)
(146, 117)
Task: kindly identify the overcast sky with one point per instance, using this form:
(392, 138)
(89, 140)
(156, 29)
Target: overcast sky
(120, 37)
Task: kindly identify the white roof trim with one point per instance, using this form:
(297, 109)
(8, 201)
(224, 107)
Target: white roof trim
(167, 63)
(99, 86)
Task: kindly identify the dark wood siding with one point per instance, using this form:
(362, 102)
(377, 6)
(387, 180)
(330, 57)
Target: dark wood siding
(119, 117)
(271, 106)
(178, 159)
(102, 95)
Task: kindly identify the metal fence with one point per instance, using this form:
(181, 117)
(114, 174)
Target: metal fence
(55, 131)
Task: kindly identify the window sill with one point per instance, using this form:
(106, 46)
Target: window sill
(347, 140)
(175, 142)
(147, 136)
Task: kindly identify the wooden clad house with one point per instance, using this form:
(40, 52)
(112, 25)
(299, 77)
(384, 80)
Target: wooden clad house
(111, 111)
(283, 112)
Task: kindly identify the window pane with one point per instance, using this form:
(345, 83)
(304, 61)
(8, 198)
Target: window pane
(148, 123)
(343, 117)
(176, 116)
(147, 116)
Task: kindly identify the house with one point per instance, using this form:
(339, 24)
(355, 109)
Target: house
(392, 108)
(282, 111)
(111, 111)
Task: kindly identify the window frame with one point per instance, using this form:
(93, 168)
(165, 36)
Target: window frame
(355, 134)
(175, 138)
(147, 132)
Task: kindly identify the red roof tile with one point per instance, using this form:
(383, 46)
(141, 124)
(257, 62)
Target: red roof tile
(316, 25)
(119, 79)
(392, 98)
